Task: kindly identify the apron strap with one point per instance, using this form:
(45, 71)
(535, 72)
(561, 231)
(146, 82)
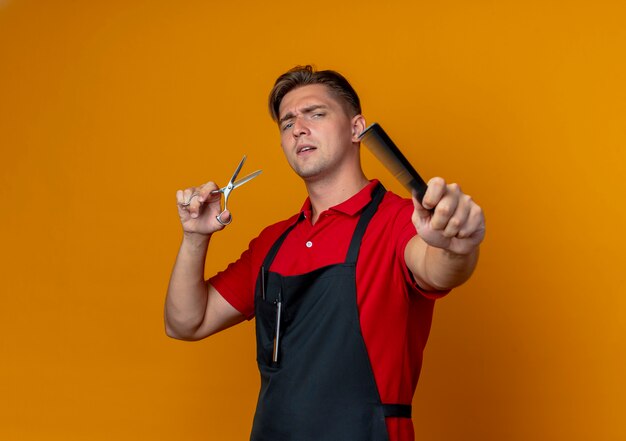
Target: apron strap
(397, 410)
(364, 220)
(269, 258)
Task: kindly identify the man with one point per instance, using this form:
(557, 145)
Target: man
(343, 291)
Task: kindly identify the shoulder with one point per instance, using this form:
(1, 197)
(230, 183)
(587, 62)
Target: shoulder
(395, 209)
(260, 245)
(392, 199)
(392, 223)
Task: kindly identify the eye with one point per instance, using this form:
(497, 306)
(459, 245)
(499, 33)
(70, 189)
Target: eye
(287, 126)
(318, 115)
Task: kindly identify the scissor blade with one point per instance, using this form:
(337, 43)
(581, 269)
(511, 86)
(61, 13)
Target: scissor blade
(247, 178)
(238, 169)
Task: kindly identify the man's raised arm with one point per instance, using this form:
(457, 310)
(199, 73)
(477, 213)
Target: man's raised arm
(193, 308)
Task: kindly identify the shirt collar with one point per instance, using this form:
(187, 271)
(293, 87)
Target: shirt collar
(351, 206)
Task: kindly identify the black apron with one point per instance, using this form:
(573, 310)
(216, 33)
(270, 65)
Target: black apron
(317, 382)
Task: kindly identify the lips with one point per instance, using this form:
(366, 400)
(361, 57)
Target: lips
(304, 148)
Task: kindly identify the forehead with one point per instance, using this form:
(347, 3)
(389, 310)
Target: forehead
(306, 96)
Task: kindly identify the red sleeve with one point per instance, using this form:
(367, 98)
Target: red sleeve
(406, 231)
(238, 281)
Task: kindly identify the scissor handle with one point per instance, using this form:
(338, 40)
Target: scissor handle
(226, 191)
(219, 218)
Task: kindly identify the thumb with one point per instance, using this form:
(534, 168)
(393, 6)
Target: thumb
(224, 218)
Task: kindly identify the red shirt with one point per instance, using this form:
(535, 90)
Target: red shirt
(395, 313)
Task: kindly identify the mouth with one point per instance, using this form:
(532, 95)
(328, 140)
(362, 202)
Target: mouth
(304, 149)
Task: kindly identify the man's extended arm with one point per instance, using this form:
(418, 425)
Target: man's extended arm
(450, 227)
(193, 308)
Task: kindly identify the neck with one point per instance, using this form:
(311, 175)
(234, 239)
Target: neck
(326, 193)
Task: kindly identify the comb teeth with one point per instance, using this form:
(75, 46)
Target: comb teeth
(381, 145)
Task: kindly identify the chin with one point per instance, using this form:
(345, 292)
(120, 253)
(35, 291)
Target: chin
(308, 172)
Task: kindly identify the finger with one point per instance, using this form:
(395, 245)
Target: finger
(182, 196)
(446, 207)
(475, 222)
(179, 197)
(196, 206)
(187, 195)
(420, 214)
(190, 202)
(182, 208)
(459, 218)
(205, 192)
(434, 193)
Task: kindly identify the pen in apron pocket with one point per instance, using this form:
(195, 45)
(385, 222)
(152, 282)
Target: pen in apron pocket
(279, 305)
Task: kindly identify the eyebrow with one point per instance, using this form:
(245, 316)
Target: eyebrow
(308, 109)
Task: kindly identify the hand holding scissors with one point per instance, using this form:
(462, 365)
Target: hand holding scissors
(191, 200)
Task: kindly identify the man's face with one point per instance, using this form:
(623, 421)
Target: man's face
(317, 134)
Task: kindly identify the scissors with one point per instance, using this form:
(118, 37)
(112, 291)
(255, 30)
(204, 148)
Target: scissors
(232, 184)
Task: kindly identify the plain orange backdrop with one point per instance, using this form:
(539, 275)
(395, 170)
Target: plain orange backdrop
(107, 108)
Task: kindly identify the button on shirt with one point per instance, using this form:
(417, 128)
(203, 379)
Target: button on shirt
(323, 243)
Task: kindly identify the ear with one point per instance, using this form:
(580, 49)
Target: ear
(358, 125)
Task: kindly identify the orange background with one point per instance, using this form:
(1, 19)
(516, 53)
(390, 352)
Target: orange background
(107, 108)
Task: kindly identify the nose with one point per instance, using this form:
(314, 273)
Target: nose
(299, 127)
